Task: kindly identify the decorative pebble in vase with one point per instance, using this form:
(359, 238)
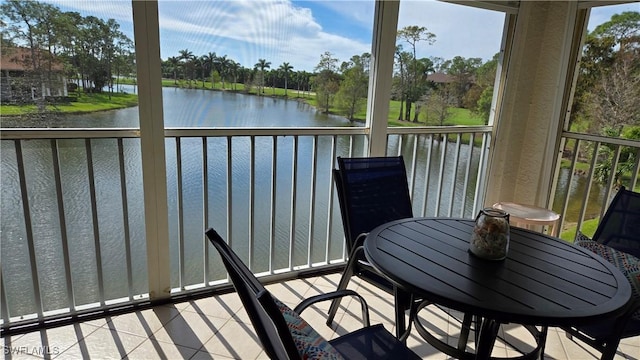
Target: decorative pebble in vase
(490, 237)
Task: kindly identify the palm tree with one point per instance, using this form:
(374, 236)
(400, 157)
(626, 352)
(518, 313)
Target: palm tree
(174, 65)
(223, 67)
(233, 68)
(209, 61)
(303, 81)
(262, 64)
(199, 67)
(285, 68)
(187, 58)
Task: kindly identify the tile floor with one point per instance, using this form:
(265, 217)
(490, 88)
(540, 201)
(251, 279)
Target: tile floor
(218, 328)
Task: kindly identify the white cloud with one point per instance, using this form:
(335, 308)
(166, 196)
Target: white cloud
(460, 30)
(246, 31)
(119, 10)
(285, 31)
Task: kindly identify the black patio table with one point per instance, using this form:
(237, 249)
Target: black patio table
(544, 281)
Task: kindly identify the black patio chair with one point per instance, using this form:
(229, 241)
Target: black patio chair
(620, 225)
(617, 239)
(285, 335)
(371, 191)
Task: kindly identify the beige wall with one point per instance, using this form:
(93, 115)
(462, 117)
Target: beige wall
(529, 122)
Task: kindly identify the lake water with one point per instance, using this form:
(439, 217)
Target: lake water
(182, 108)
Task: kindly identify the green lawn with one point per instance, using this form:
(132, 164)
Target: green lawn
(86, 103)
(588, 229)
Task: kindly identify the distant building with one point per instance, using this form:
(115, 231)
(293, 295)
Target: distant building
(27, 76)
(440, 78)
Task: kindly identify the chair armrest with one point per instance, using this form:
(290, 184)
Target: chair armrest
(360, 240)
(334, 295)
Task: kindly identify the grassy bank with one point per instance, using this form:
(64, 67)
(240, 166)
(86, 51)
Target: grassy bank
(457, 116)
(85, 103)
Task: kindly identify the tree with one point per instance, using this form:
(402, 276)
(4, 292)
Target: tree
(174, 66)
(208, 62)
(89, 49)
(199, 67)
(402, 58)
(621, 27)
(608, 84)
(352, 94)
(124, 61)
(262, 64)
(222, 65)
(412, 35)
(437, 105)
(485, 78)
(462, 71)
(423, 67)
(326, 81)
(285, 68)
(186, 59)
(303, 80)
(26, 19)
(615, 101)
(234, 68)
(626, 159)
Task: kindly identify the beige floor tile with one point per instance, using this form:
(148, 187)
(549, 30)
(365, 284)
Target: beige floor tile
(103, 344)
(151, 349)
(189, 329)
(242, 316)
(317, 317)
(315, 289)
(204, 329)
(49, 343)
(179, 305)
(97, 322)
(143, 323)
(423, 349)
(380, 303)
(554, 349)
(235, 340)
(576, 349)
(203, 355)
(329, 281)
(290, 292)
(223, 306)
(436, 321)
(631, 348)
(517, 337)
(262, 356)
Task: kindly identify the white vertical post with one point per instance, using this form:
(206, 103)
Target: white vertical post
(154, 173)
(381, 74)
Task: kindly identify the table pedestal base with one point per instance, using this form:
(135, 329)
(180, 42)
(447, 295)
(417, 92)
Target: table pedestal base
(484, 339)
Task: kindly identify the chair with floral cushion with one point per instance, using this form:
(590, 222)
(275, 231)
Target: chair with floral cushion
(285, 335)
(617, 240)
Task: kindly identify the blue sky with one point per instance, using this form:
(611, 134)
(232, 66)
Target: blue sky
(298, 32)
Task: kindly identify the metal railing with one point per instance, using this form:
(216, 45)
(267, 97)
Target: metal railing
(74, 241)
(73, 220)
(590, 170)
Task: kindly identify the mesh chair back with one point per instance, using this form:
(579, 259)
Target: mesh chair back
(265, 316)
(371, 192)
(620, 226)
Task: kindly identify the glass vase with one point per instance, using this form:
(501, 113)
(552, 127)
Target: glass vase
(490, 237)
